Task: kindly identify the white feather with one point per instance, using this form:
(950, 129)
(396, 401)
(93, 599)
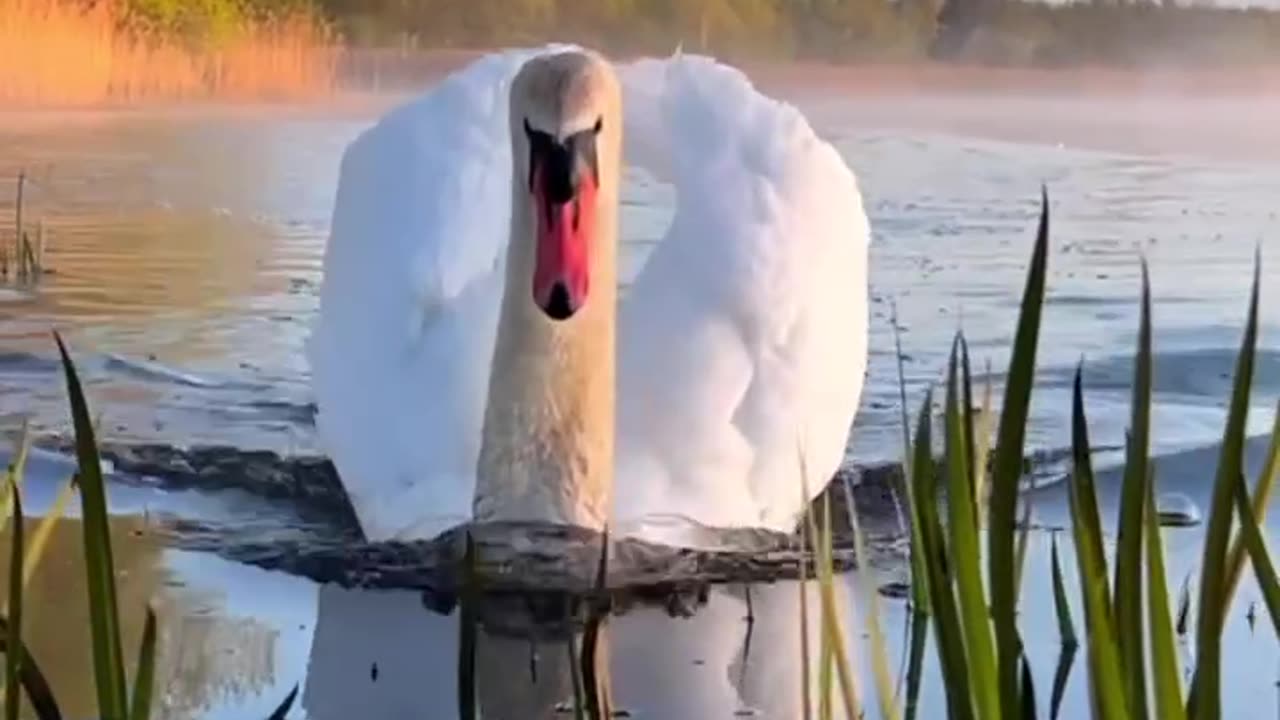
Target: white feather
(742, 342)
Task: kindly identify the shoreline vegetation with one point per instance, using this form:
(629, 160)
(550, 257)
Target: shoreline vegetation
(90, 53)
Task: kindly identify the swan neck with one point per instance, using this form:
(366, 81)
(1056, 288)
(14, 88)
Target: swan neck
(547, 448)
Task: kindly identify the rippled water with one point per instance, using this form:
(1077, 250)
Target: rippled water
(186, 251)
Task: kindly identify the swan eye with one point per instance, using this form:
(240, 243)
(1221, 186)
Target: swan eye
(598, 126)
(539, 144)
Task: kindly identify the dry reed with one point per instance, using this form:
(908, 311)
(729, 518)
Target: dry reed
(67, 53)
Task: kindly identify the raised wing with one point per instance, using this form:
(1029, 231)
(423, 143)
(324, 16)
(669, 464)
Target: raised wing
(743, 339)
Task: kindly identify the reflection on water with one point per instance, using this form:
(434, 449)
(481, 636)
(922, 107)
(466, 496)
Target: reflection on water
(205, 657)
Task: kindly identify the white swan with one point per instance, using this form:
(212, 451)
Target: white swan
(741, 345)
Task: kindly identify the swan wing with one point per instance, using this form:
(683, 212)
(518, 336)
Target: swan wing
(401, 351)
(742, 341)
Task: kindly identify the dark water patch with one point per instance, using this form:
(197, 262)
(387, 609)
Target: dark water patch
(23, 362)
(310, 482)
(515, 558)
(152, 371)
(1204, 374)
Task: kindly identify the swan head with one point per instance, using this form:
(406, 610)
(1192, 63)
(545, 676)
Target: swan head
(565, 121)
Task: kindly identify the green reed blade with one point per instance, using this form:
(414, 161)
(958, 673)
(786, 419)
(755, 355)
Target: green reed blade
(1164, 654)
(13, 660)
(44, 531)
(39, 693)
(965, 402)
(805, 674)
(108, 658)
(933, 550)
(1263, 569)
(594, 682)
(14, 475)
(1184, 606)
(575, 675)
(1066, 628)
(1020, 549)
(966, 555)
(1066, 660)
(1106, 684)
(879, 648)
(1007, 468)
(1027, 690)
(1082, 484)
(1211, 613)
(919, 594)
(1128, 570)
(982, 451)
(467, 630)
(144, 678)
(282, 712)
(1261, 502)
(831, 628)
(915, 668)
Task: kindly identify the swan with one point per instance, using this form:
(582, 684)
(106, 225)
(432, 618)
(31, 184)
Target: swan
(472, 359)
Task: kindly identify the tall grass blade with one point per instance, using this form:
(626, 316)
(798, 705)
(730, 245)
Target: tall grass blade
(982, 451)
(919, 594)
(13, 660)
(1263, 569)
(966, 555)
(575, 675)
(108, 658)
(1107, 685)
(1066, 628)
(831, 628)
(806, 706)
(1261, 502)
(39, 693)
(1128, 571)
(915, 667)
(595, 683)
(283, 711)
(1066, 660)
(1211, 613)
(467, 631)
(1027, 690)
(1020, 549)
(13, 476)
(924, 510)
(1007, 469)
(879, 648)
(1184, 607)
(44, 531)
(145, 674)
(1164, 653)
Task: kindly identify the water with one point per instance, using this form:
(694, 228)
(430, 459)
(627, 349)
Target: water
(187, 248)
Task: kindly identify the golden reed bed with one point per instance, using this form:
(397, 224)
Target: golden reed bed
(65, 53)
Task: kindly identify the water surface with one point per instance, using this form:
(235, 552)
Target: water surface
(186, 249)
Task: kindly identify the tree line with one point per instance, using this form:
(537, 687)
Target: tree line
(999, 31)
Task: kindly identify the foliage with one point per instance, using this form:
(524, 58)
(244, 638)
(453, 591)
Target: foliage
(1000, 31)
(982, 684)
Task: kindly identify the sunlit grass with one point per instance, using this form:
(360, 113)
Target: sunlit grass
(64, 52)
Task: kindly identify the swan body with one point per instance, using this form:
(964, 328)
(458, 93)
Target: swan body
(740, 347)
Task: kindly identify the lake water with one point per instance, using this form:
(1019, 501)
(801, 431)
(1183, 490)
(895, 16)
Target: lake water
(186, 250)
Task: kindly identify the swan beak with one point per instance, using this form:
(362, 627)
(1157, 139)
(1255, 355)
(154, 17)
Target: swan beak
(563, 184)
